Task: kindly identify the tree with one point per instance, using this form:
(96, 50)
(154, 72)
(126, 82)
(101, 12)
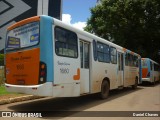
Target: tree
(133, 24)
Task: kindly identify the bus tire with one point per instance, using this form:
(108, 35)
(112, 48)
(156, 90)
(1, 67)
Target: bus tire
(154, 81)
(105, 87)
(135, 84)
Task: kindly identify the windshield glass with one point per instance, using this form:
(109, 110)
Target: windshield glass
(23, 36)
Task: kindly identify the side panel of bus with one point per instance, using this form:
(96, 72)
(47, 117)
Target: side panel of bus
(131, 69)
(156, 72)
(73, 64)
(66, 63)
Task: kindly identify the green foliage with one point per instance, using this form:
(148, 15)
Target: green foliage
(3, 90)
(134, 24)
(1, 59)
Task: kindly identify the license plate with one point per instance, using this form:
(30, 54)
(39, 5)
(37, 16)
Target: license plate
(20, 82)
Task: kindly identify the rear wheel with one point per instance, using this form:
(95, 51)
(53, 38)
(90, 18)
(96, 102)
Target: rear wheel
(104, 89)
(136, 84)
(154, 81)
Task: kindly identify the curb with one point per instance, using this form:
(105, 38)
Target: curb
(19, 99)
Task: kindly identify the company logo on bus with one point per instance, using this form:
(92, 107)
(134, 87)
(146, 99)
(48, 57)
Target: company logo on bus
(34, 38)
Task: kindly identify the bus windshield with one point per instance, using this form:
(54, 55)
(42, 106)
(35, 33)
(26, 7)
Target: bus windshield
(23, 36)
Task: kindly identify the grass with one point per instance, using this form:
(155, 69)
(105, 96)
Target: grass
(3, 91)
(4, 94)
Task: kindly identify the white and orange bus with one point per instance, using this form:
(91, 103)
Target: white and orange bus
(47, 57)
(150, 70)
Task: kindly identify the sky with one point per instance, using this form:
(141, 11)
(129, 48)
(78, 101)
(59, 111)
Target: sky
(76, 12)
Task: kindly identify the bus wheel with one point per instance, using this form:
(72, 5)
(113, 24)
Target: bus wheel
(104, 89)
(135, 85)
(154, 82)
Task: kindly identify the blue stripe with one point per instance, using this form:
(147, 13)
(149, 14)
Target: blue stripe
(140, 70)
(46, 45)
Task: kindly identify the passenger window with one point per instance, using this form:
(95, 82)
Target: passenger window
(95, 50)
(151, 65)
(86, 55)
(126, 59)
(66, 43)
(103, 52)
(135, 61)
(113, 52)
(81, 53)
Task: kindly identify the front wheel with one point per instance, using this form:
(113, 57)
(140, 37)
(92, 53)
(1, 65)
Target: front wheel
(104, 90)
(135, 85)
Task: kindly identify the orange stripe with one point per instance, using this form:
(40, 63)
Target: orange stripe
(25, 21)
(124, 49)
(77, 76)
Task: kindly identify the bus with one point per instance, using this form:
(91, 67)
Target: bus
(47, 57)
(150, 70)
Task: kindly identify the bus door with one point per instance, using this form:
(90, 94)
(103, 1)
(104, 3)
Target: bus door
(85, 58)
(120, 69)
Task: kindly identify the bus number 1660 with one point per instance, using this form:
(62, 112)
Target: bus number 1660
(64, 70)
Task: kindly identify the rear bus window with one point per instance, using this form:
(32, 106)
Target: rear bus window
(66, 43)
(144, 63)
(24, 36)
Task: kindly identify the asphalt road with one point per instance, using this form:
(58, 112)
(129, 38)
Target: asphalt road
(144, 99)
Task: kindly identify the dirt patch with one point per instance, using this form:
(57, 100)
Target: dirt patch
(7, 96)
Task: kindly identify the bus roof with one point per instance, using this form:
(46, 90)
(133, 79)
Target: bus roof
(148, 59)
(67, 26)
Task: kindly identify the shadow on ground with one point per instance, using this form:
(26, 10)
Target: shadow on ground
(63, 107)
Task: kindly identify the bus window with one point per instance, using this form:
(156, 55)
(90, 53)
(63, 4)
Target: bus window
(122, 66)
(113, 53)
(151, 65)
(132, 60)
(86, 55)
(144, 64)
(95, 50)
(66, 43)
(100, 52)
(126, 59)
(135, 61)
(23, 36)
(106, 53)
(103, 52)
(120, 62)
(129, 59)
(81, 52)
(156, 67)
